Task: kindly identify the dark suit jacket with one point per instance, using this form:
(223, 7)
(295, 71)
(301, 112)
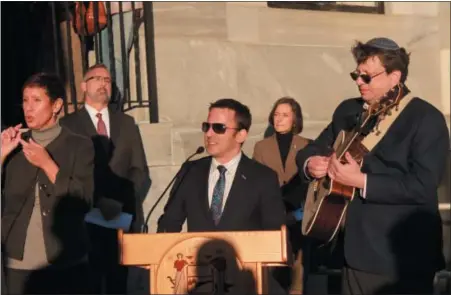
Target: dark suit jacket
(254, 201)
(267, 152)
(63, 204)
(396, 229)
(121, 171)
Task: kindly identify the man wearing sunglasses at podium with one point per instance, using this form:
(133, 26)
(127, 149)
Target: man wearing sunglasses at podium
(392, 229)
(225, 191)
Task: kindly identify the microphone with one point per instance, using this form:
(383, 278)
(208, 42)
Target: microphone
(145, 227)
(199, 150)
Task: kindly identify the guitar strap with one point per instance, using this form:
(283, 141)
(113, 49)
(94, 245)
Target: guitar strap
(370, 141)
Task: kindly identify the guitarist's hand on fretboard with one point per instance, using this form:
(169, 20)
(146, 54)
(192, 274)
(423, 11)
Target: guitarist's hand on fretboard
(317, 166)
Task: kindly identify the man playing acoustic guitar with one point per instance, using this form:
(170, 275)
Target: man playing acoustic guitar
(392, 226)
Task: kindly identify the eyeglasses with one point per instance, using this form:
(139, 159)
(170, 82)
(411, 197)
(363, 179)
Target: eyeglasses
(365, 77)
(218, 128)
(99, 78)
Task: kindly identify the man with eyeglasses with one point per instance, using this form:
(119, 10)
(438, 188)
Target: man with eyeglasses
(392, 230)
(225, 191)
(121, 174)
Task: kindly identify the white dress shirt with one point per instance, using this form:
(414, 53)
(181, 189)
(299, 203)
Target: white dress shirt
(105, 117)
(231, 167)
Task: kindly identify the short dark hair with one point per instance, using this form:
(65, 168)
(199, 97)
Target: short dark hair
(243, 116)
(298, 123)
(391, 59)
(96, 66)
(51, 83)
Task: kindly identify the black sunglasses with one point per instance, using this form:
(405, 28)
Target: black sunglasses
(365, 77)
(218, 128)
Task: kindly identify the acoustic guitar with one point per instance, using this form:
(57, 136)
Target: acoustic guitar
(327, 200)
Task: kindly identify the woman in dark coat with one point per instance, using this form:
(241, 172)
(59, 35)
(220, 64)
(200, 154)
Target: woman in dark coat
(47, 187)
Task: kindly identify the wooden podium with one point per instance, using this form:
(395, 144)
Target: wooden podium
(205, 262)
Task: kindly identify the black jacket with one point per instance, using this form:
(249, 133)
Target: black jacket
(121, 171)
(254, 201)
(63, 204)
(396, 229)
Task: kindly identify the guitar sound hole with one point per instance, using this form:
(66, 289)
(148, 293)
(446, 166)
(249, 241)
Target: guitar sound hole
(336, 200)
(326, 184)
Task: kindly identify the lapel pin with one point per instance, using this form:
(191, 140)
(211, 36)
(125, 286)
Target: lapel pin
(242, 176)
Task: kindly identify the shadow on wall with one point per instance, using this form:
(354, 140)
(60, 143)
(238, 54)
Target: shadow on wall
(217, 271)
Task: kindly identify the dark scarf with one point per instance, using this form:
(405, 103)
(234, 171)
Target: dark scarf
(284, 142)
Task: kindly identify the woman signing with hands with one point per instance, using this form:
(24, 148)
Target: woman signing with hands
(47, 190)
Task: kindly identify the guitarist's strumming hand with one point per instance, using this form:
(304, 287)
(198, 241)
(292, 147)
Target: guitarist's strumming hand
(347, 173)
(317, 166)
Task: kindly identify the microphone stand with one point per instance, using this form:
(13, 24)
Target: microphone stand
(145, 227)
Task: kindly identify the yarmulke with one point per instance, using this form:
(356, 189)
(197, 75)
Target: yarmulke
(383, 43)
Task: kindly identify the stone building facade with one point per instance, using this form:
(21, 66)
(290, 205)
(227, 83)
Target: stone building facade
(256, 54)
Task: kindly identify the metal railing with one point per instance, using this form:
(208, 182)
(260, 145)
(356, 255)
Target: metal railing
(72, 55)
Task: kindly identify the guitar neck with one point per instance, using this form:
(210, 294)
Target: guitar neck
(349, 140)
(390, 100)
